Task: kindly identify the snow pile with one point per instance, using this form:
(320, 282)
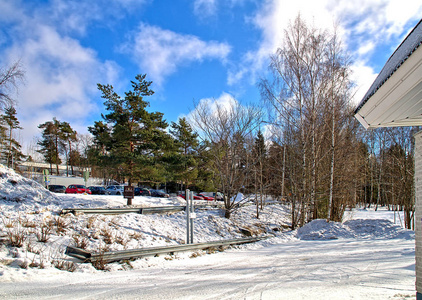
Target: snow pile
(361, 228)
(323, 230)
(16, 191)
(378, 228)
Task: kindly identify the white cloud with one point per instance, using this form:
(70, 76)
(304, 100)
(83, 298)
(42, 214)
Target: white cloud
(75, 17)
(160, 52)
(61, 75)
(363, 26)
(210, 8)
(205, 8)
(366, 48)
(224, 101)
(272, 19)
(363, 76)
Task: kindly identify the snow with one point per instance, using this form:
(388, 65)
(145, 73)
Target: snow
(368, 256)
(361, 228)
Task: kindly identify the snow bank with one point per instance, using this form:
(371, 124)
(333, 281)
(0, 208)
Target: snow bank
(378, 229)
(20, 192)
(323, 230)
(360, 228)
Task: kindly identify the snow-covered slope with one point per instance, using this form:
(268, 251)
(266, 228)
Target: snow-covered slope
(30, 213)
(22, 193)
(339, 257)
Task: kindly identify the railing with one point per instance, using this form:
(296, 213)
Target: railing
(143, 210)
(106, 257)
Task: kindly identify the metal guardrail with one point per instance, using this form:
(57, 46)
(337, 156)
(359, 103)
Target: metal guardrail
(107, 257)
(143, 210)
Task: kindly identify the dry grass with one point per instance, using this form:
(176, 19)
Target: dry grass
(31, 247)
(8, 223)
(16, 235)
(61, 225)
(108, 235)
(80, 241)
(44, 231)
(90, 223)
(64, 265)
(136, 236)
(100, 263)
(24, 264)
(121, 240)
(28, 223)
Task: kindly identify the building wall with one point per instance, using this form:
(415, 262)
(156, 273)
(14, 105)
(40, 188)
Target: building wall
(66, 181)
(418, 213)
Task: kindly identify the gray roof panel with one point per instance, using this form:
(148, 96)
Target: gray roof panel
(402, 53)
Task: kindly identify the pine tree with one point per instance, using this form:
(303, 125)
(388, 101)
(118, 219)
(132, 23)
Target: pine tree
(50, 143)
(67, 136)
(12, 148)
(186, 143)
(134, 140)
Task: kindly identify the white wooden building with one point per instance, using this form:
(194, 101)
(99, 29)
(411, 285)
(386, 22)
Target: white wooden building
(395, 99)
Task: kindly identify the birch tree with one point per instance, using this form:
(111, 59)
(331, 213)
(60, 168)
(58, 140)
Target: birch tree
(310, 74)
(10, 77)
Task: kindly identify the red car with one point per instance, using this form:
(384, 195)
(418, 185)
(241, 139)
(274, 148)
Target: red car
(77, 189)
(206, 197)
(195, 197)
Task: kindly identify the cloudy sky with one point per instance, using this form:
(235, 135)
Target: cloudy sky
(191, 50)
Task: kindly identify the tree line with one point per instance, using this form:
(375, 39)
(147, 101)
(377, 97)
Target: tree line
(300, 145)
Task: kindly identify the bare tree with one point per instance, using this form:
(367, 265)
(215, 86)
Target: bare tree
(308, 98)
(227, 128)
(10, 77)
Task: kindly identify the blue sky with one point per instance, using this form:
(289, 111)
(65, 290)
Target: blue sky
(192, 50)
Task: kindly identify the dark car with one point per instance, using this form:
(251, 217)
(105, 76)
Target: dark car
(77, 189)
(98, 190)
(56, 188)
(142, 192)
(159, 193)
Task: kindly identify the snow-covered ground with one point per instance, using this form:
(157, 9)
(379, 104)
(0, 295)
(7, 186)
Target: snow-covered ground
(365, 257)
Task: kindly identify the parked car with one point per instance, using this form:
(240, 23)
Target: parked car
(98, 190)
(142, 192)
(115, 189)
(208, 198)
(195, 197)
(56, 188)
(219, 196)
(159, 193)
(77, 189)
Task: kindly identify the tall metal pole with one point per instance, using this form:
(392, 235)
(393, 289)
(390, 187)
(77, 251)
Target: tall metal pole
(187, 196)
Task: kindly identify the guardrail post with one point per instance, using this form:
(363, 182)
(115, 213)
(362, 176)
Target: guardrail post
(192, 216)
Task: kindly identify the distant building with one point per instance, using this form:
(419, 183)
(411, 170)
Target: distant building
(34, 171)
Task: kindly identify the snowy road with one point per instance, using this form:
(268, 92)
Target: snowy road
(295, 269)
